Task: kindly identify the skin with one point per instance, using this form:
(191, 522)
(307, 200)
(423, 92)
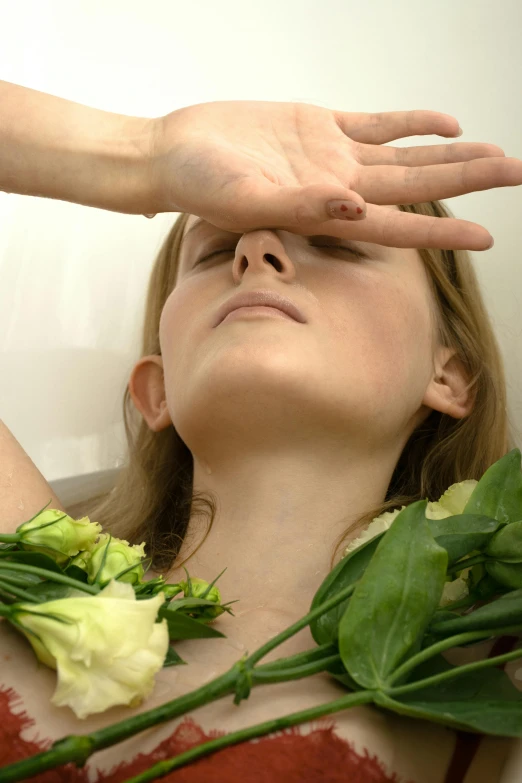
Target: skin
(295, 427)
(295, 432)
(247, 165)
(301, 426)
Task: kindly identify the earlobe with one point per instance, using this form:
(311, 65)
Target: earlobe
(147, 390)
(448, 391)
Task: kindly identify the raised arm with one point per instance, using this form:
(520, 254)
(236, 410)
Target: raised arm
(243, 165)
(23, 489)
(59, 149)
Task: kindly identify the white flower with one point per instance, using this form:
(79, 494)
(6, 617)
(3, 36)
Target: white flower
(377, 525)
(106, 648)
(453, 501)
(61, 540)
(81, 560)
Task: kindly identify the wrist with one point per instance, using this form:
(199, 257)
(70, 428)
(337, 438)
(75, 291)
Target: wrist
(121, 158)
(55, 148)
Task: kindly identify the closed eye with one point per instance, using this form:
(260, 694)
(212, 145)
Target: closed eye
(354, 251)
(312, 242)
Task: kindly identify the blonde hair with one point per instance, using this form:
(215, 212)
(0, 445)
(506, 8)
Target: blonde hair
(153, 497)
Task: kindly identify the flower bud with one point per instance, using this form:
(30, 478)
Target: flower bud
(198, 588)
(64, 538)
(120, 555)
(171, 590)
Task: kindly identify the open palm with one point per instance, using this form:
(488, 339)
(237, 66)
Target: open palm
(244, 165)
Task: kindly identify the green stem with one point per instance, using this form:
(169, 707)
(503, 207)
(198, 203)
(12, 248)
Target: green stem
(298, 626)
(78, 748)
(463, 603)
(471, 561)
(7, 597)
(52, 576)
(297, 673)
(259, 730)
(314, 654)
(436, 679)
(448, 643)
(9, 587)
(5, 610)
(20, 580)
(10, 538)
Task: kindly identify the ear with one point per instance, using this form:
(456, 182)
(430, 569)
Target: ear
(147, 389)
(448, 391)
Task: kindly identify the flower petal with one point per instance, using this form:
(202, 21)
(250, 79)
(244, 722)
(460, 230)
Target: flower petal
(377, 525)
(453, 501)
(454, 591)
(107, 649)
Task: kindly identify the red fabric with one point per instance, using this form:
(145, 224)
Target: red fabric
(319, 756)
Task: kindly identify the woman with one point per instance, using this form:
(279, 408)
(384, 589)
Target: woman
(382, 384)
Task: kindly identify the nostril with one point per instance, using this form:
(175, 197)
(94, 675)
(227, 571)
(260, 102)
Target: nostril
(273, 260)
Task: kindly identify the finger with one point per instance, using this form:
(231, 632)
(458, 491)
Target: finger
(390, 125)
(406, 185)
(256, 203)
(370, 155)
(394, 228)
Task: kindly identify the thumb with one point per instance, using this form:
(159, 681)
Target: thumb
(297, 209)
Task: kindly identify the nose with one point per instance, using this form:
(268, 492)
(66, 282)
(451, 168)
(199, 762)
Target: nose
(262, 252)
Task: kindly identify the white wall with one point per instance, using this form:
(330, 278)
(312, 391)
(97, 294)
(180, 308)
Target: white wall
(72, 279)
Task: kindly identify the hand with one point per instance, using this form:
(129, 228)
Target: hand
(243, 165)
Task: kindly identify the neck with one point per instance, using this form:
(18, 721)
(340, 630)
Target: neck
(277, 523)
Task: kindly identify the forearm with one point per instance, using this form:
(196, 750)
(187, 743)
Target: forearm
(59, 149)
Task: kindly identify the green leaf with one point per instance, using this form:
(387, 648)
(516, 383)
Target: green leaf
(50, 591)
(463, 533)
(506, 545)
(6, 547)
(183, 627)
(347, 571)
(498, 494)
(75, 572)
(505, 611)
(20, 578)
(394, 601)
(149, 588)
(338, 671)
(172, 658)
(483, 701)
(37, 559)
(484, 590)
(507, 574)
(189, 604)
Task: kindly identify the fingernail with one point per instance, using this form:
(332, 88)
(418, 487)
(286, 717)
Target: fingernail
(460, 132)
(149, 216)
(346, 210)
(491, 243)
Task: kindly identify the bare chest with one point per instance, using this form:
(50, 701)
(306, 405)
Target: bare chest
(363, 743)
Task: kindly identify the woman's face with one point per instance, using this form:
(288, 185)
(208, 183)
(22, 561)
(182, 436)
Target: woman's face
(360, 363)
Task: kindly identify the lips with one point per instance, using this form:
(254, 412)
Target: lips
(264, 298)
